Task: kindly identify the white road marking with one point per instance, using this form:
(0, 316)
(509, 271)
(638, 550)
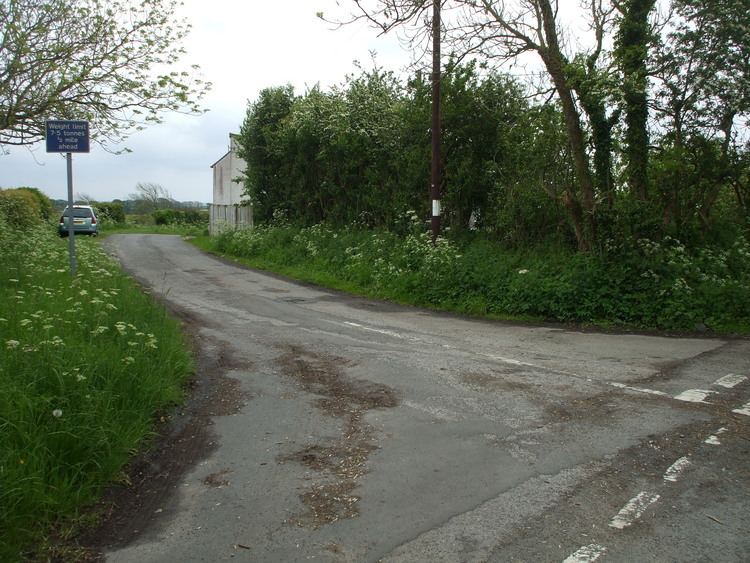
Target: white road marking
(587, 554)
(694, 395)
(730, 380)
(512, 362)
(633, 510)
(674, 470)
(383, 331)
(437, 412)
(714, 438)
(637, 389)
(744, 409)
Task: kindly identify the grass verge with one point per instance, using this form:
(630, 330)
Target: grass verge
(85, 364)
(640, 284)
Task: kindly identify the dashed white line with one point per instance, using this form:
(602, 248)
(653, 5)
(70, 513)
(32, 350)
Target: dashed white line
(437, 412)
(633, 510)
(694, 395)
(744, 409)
(587, 554)
(730, 380)
(637, 389)
(512, 362)
(383, 331)
(713, 440)
(674, 470)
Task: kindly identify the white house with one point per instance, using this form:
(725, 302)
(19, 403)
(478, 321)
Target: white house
(227, 209)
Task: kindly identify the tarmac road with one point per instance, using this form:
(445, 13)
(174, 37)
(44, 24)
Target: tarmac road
(332, 428)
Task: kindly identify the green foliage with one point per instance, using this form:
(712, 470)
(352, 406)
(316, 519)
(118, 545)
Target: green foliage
(192, 217)
(653, 113)
(360, 153)
(164, 216)
(700, 99)
(636, 282)
(21, 208)
(103, 68)
(690, 178)
(84, 366)
(631, 53)
(259, 141)
(46, 209)
(110, 213)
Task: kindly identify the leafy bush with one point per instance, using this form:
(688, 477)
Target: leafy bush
(180, 217)
(20, 208)
(164, 216)
(46, 209)
(110, 213)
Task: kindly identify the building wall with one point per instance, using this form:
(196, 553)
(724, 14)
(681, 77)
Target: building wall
(222, 217)
(226, 211)
(227, 191)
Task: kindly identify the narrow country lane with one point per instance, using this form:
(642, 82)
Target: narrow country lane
(347, 429)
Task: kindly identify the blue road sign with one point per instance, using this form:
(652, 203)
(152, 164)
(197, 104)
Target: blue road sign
(67, 136)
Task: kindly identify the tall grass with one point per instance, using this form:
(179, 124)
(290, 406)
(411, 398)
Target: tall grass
(640, 283)
(85, 364)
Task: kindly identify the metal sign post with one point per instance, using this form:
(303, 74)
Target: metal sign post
(64, 136)
(71, 217)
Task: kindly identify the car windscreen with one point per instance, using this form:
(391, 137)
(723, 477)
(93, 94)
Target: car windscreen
(78, 213)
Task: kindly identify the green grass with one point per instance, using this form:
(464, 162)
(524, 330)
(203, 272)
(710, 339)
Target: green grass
(85, 364)
(641, 284)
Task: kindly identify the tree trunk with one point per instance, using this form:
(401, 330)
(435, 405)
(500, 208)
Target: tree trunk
(631, 53)
(553, 61)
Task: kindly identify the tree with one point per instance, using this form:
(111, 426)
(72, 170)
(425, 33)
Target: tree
(631, 52)
(150, 197)
(98, 60)
(595, 88)
(259, 142)
(703, 73)
(502, 31)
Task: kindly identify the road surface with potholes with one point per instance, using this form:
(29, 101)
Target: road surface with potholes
(332, 428)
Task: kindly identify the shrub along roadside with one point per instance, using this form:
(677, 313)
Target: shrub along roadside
(641, 283)
(84, 366)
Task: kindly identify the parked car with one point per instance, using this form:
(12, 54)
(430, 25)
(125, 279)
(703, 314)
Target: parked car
(84, 221)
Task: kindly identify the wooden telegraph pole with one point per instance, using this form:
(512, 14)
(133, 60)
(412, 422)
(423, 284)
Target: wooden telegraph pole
(436, 178)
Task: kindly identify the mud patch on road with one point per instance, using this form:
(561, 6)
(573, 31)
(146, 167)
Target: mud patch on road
(341, 463)
(494, 383)
(217, 479)
(599, 406)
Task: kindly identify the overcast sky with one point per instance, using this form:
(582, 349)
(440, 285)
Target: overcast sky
(242, 47)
